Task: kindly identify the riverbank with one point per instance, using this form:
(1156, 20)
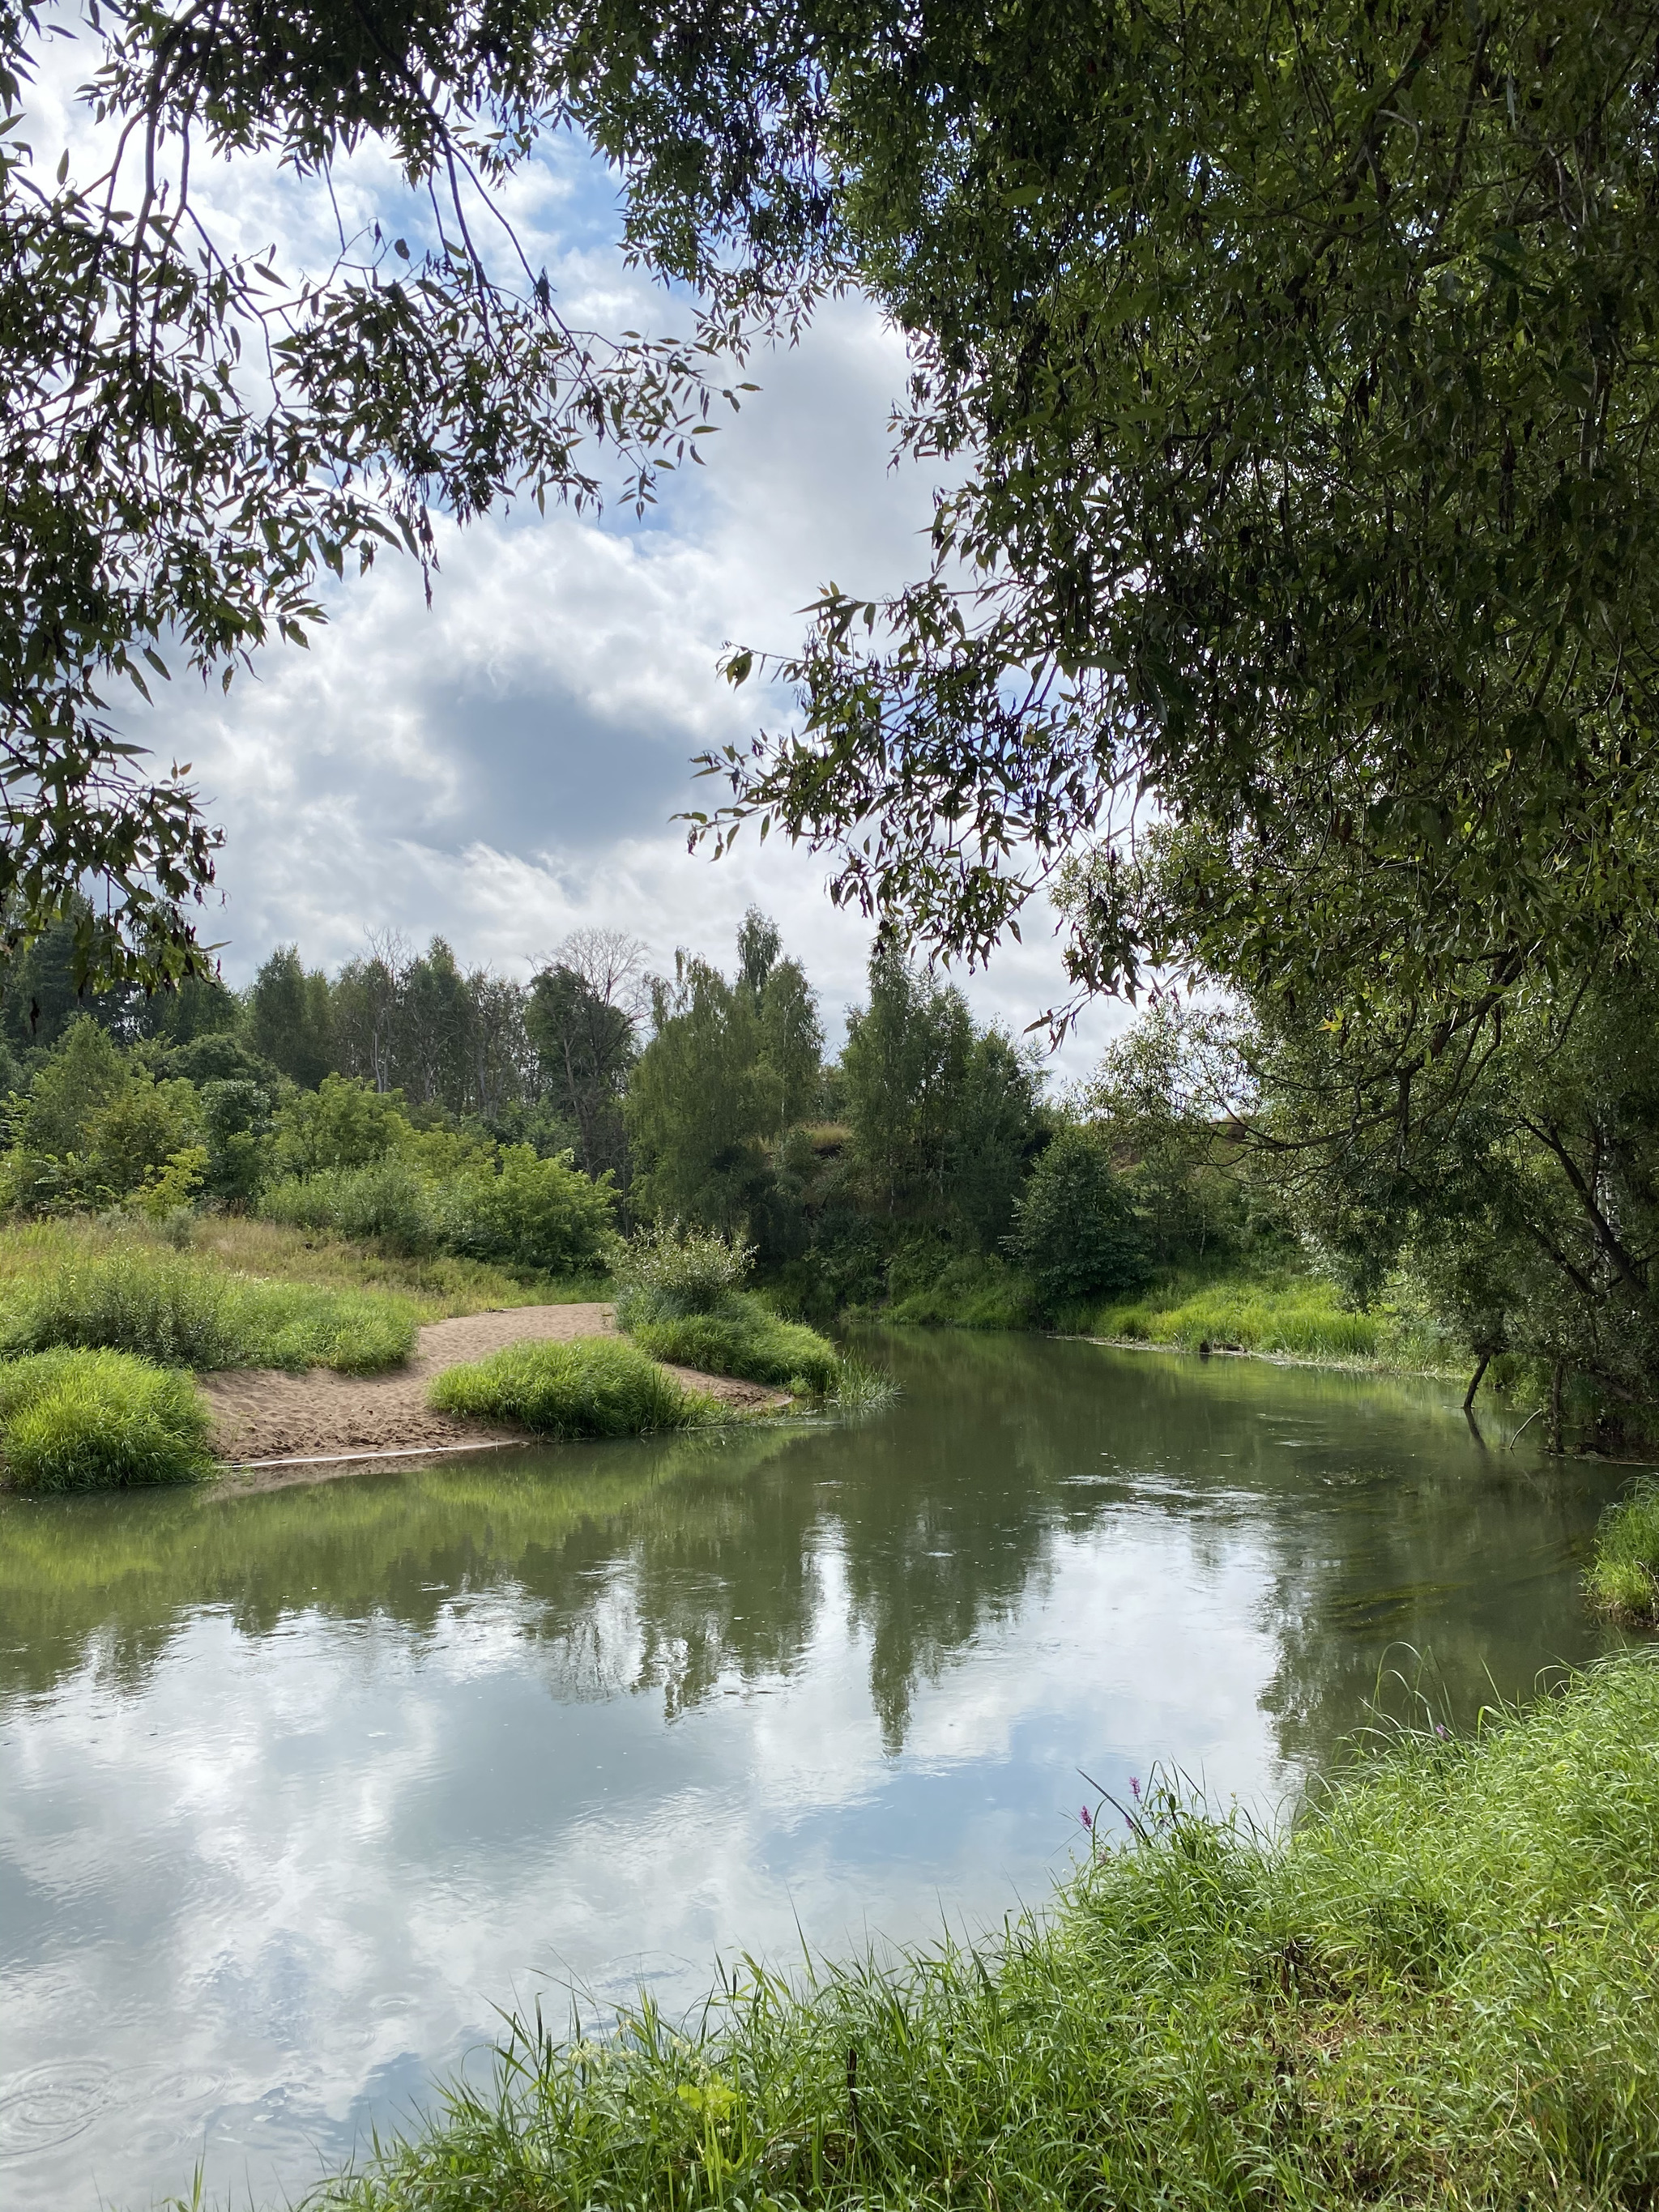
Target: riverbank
(1438, 1988)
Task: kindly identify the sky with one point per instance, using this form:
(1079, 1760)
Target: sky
(505, 766)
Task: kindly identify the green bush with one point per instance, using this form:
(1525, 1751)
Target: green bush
(88, 1420)
(668, 1271)
(743, 1338)
(166, 1307)
(596, 1386)
(508, 1206)
(387, 1199)
(530, 1213)
(1624, 1574)
(1075, 1232)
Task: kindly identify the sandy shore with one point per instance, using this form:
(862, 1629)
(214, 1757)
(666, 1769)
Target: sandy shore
(261, 1416)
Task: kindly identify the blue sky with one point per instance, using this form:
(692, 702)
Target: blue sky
(503, 766)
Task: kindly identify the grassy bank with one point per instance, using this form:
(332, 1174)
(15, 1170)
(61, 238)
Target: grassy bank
(1623, 1581)
(1438, 1989)
(1297, 1316)
(437, 1287)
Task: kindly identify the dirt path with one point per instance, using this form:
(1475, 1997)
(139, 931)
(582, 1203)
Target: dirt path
(261, 1416)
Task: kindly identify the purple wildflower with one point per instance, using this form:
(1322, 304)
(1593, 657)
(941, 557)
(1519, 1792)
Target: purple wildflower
(1135, 1786)
(1088, 1818)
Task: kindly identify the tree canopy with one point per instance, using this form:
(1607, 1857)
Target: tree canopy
(1298, 370)
(1291, 370)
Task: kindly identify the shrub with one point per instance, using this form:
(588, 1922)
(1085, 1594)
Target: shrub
(530, 1212)
(668, 1271)
(341, 1126)
(86, 1420)
(594, 1386)
(1624, 1574)
(387, 1199)
(744, 1339)
(166, 1307)
(1076, 1232)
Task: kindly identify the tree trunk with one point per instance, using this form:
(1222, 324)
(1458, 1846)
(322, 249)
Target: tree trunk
(1556, 1374)
(1474, 1384)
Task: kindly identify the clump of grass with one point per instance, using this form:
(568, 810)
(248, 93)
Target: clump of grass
(94, 1420)
(861, 1389)
(168, 1307)
(1623, 1580)
(1437, 1989)
(592, 1387)
(745, 1339)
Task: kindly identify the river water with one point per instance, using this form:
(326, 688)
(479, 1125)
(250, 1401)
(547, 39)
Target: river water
(301, 1787)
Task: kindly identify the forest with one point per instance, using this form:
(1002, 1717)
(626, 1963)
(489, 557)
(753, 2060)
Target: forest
(1227, 1178)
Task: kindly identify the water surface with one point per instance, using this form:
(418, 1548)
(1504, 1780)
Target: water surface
(301, 1787)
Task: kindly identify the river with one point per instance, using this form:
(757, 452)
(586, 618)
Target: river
(300, 1786)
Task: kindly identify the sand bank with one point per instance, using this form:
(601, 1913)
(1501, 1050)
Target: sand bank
(258, 1415)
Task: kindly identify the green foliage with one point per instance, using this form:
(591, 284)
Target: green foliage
(902, 1076)
(173, 1309)
(970, 1291)
(290, 1020)
(1162, 1100)
(508, 1206)
(92, 1420)
(678, 1298)
(593, 1387)
(1300, 479)
(237, 1126)
(388, 1200)
(729, 1063)
(1076, 1234)
(343, 1124)
(1435, 1989)
(1513, 1171)
(1623, 1574)
(529, 1212)
(83, 1072)
(741, 1337)
(665, 1271)
(585, 1046)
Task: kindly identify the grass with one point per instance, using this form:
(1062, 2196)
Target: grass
(746, 1341)
(593, 1387)
(967, 1293)
(437, 1286)
(1623, 1579)
(94, 1420)
(1295, 1314)
(1437, 1989)
(171, 1307)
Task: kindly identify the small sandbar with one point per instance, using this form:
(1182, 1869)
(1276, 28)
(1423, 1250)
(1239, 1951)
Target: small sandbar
(263, 1416)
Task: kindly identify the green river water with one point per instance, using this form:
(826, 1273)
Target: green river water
(300, 1787)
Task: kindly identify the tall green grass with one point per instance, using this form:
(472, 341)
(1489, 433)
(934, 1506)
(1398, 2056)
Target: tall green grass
(745, 1339)
(1438, 1991)
(94, 1420)
(1297, 1316)
(591, 1387)
(180, 1312)
(1623, 1580)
